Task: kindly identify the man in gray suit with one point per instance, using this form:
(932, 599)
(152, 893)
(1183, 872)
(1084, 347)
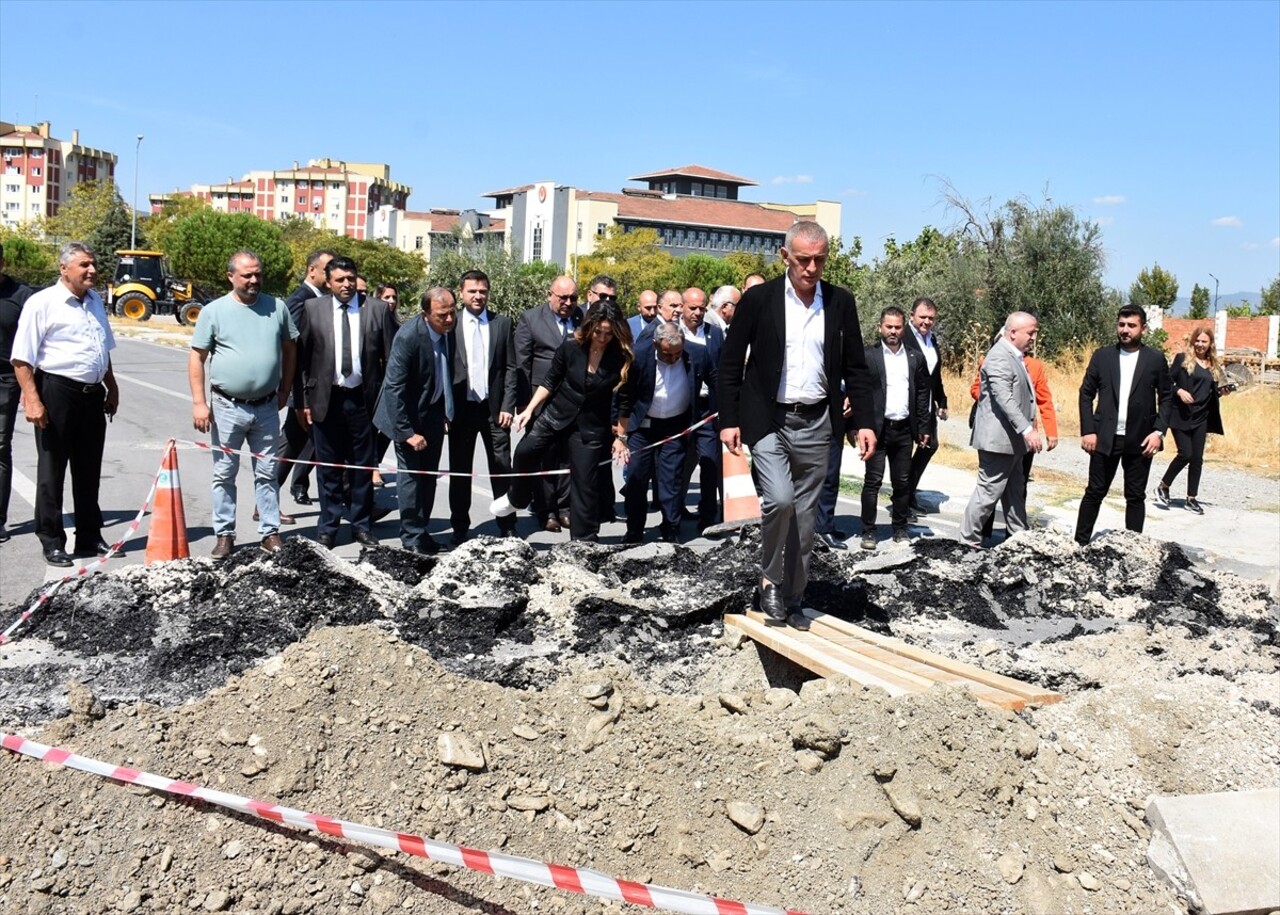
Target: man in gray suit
(1004, 430)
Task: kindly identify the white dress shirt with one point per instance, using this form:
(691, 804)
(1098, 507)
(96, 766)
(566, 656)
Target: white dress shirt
(350, 311)
(897, 383)
(804, 377)
(670, 391)
(62, 335)
(477, 354)
(927, 347)
(1128, 364)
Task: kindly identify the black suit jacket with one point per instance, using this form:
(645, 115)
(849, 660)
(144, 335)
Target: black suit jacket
(937, 390)
(748, 391)
(571, 403)
(405, 405)
(698, 367)
(297, 299)
(1149, 397)
(317, 346)
(537, 339)
(917, 389)
(502, 364)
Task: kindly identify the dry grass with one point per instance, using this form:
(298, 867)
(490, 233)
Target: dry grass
(1251, 417)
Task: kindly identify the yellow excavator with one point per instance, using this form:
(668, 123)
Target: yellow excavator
(144, 287)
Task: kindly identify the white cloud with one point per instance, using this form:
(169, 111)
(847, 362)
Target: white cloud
(1227, 222)
(1258, 246)
(1109, 200)
(1105, 220)
(792, 179)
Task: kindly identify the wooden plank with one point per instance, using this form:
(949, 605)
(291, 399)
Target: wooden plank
(1028, 691)
(807, 651)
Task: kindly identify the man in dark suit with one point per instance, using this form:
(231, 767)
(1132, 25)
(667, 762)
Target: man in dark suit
(924, 341)
(670, 304)
(484, 398)
(414, 411)
(297, 439)
(1124, 412)
(344, 343)
(704, 452)
(667, 376)
(538, 335)
(603, 288)
(900, 407)
(785, 404)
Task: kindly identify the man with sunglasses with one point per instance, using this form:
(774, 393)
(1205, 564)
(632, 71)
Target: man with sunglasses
(603, 288)
(538, 335)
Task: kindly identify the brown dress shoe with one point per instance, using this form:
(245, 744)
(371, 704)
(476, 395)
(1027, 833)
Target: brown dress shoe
(553, 525)
(222, 549)
(272, 544)
(564, 521)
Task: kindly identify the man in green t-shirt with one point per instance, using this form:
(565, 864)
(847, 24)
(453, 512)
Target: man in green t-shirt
(247, 340)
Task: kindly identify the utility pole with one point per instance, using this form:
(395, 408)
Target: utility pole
(1215, 294)
(133, 231)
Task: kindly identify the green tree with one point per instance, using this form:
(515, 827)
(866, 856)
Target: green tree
(1155, 286)
(201, 244)
(704, 271)
(27, 260)
(745, 263)
(1241, 309)
(513, 286)
(113, 234)
(84, 210)
(1199, 303)
(634, 259)
(158, 227)
(1270, 304)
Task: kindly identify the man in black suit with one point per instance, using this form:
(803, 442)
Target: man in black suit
(900, 407)
(1130, 382)
(538, 335)
(670, 306)
(297, 439)
(603, 288)
(667, 376)
(414, 411)
(785, 404)
(484, 400)
(704, 451)
(924, 341)
(343, 343)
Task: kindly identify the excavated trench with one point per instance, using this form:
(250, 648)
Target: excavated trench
(497, 610)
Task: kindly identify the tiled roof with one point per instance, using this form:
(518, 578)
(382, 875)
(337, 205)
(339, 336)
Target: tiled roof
(21, 135)
(697, 211)
(693, 171)
(508, 192)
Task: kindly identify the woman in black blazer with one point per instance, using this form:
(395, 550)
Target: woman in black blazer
(1194, 375)
(586, 372)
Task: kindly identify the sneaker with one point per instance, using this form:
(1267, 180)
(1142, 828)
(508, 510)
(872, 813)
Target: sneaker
(900, 535)
(1193, 506)
(1162, 496)
(222, 549)
(869, 541)
(501, 507)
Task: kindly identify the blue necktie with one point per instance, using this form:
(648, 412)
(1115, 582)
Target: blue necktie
(445, 376)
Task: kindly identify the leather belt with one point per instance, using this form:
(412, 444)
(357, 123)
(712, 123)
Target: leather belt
(244, 401)
(897, 423)
(807, 408)
(71, 383)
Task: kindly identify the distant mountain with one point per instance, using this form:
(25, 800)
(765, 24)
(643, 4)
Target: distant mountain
(1182, 304)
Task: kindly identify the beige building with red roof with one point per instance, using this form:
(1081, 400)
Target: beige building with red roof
(40, 170)
(694, 209)
(336, 195)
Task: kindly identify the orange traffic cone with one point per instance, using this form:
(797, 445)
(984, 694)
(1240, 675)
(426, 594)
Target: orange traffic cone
(167, 538)
(741, 504)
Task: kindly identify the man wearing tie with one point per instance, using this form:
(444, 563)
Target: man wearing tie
(414, 411)
(538, 335)
(484, 400)
(343, 354)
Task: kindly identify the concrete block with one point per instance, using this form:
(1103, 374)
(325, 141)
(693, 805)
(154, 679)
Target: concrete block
(1220, 851)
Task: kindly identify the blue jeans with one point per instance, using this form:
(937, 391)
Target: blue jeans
(233, 425)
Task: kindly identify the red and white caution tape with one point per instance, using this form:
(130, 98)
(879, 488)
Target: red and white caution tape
(572, 879)
(96, 565)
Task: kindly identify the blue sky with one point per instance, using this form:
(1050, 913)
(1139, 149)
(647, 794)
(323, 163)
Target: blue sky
(1160, 120)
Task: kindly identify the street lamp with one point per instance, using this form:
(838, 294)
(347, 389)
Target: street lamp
(1215, 294)
(133, 231)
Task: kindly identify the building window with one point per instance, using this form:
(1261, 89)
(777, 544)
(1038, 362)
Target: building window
(284, 198)
(702, 239)
(579, 231)
(722, 191)
(12, 205)
(696, 189)
(335, 185)
(417, 242)
(304, 185)
(537, 243)
(302, 199)
(600, 229)
(11, 188)
(35, 208)
(316, 204)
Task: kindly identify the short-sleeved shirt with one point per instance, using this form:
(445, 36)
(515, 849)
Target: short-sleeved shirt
(243, 342)
(62, 335)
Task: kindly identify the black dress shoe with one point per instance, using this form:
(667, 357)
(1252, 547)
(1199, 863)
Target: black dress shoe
(58, 558)
(772, 607)
(428, 546)
(300, 496)
(460, 537)
(326, 540)
(364, 538)
(633, 537)
(828, 541)
(797, 620)
(669, 535)
(100, 548)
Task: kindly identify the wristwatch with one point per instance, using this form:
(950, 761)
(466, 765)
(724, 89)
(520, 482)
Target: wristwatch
(621, 436)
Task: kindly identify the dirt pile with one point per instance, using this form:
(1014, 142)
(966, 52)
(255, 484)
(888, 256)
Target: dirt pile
(621, 729)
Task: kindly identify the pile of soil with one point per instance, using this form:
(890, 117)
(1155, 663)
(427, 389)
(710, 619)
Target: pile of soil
(622, 729)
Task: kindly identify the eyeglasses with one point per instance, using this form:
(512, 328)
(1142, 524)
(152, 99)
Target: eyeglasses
(565, 298)
(606, 297)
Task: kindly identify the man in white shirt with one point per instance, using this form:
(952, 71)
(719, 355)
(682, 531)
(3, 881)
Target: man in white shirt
(923, 339)
(62, 360)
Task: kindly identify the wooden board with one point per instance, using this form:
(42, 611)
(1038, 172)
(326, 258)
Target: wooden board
(833, 647)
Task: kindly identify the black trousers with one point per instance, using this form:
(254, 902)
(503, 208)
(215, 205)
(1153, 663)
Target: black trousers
(1190, 444)
(893, 446)
(10, 395)
(473, 420)
(551, 493)
(345, 436)
(583, 484)
(1102, 470)
(74, 437)
(297, 444)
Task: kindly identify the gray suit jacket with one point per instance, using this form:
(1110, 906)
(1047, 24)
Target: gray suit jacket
(1006, 405)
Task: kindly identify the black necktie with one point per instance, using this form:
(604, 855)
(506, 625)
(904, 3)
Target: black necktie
(347, 367)
(446, 376)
